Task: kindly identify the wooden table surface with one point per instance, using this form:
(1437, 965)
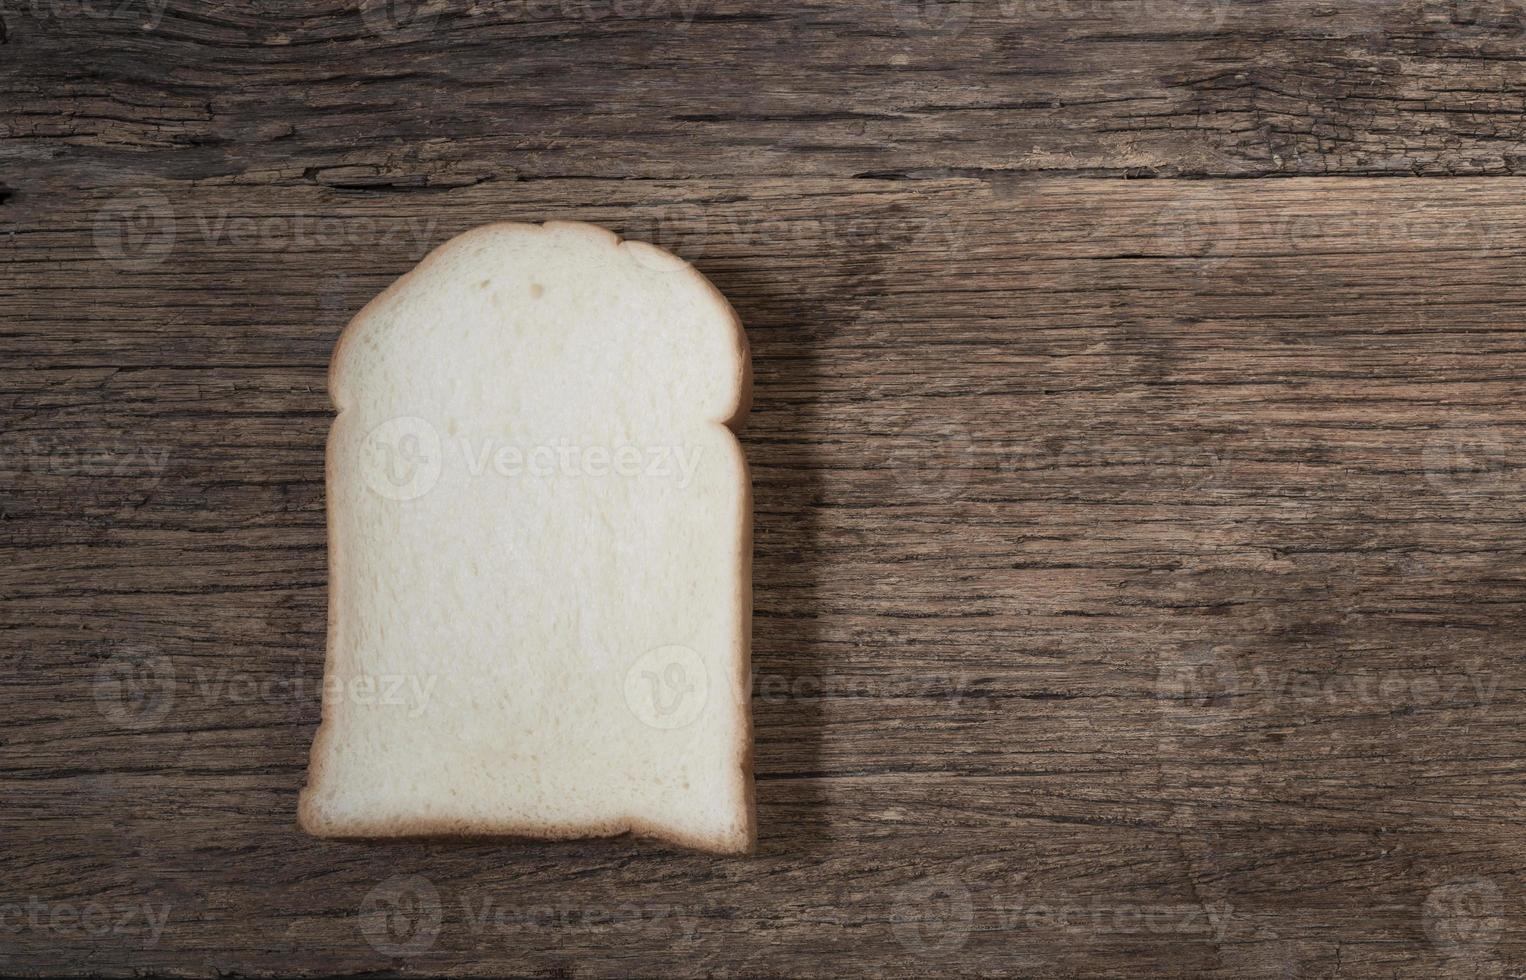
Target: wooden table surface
(1139, 577)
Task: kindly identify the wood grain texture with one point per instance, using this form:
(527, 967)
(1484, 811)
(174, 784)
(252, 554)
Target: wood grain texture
(1137, 563)
(440, 93)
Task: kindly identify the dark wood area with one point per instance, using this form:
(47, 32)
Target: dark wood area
(1139, 562)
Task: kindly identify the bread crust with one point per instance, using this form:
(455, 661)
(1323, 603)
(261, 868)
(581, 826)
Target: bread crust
(310, 821)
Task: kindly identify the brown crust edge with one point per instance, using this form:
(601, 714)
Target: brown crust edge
(308, 820)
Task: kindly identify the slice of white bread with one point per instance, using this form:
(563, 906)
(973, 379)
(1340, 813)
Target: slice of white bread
(539, 551)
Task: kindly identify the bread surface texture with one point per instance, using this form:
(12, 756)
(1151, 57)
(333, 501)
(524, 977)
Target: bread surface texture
(539, 551)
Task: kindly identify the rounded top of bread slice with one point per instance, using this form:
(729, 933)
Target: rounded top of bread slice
(620, 310)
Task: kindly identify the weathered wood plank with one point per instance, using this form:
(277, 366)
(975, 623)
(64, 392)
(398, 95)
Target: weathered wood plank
(409, 94)
(1125, 553)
